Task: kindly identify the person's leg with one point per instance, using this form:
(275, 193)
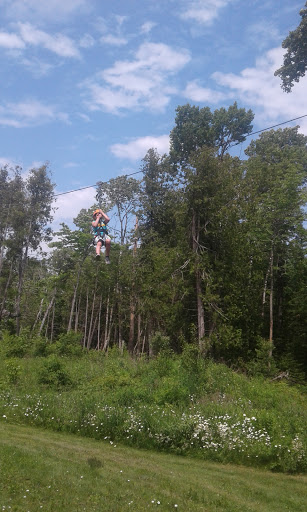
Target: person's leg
(98, 248)
(108, 246)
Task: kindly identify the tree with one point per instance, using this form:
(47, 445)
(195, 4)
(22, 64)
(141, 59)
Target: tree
(195, 131)
(27, 211)
(195, 128)
(33, 230)
(295, 59)
(275, 180)
(123, 194)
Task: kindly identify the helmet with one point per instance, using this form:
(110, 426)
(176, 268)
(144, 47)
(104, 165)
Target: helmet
(96, 211)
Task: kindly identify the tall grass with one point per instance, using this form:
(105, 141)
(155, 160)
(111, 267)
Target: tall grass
(179, 404)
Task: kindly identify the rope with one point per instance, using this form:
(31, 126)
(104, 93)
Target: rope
(138, 172)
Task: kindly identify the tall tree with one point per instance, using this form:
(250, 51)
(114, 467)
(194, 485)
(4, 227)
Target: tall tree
(275, 178)
(295, 59)
(195, 129)
(31, 223)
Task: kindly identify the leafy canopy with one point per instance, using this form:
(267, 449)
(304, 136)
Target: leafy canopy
(295, 60)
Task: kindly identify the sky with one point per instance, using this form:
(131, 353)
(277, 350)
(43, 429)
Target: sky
(90, 85)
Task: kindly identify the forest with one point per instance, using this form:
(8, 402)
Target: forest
(210, 251)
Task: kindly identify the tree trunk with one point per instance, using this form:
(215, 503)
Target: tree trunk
(52, 322)
(99, 321)
(200, 306)
(138, 343)
(271, 308)
(8, 282)
(91, 321)
(73, 301)
(38, 314)
(47, 312)
(108, 325)
(77, 313)
(21, 271)
(132, 297)
(85, 322)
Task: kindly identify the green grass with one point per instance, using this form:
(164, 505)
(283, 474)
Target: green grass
(176, 404)
(48, 471)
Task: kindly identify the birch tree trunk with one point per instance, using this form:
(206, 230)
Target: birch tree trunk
(132, 297)
(271, 308)
(69, 327)
(200, 306)
(47, 312)
(85, 321)
(8, 282)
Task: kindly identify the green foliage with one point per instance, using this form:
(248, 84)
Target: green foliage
(15, 346)
(53, 373)
(40, 347)
(193, 406)
(13, 370)
(159, 344)
(226, 342)
(263, 363)
(218, 261)
(68, 344)
(295, 59)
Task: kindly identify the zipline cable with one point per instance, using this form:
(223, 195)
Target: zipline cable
(138, 172)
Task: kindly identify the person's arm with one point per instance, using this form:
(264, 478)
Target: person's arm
(105, 217)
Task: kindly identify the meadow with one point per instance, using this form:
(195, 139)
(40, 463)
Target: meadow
(182, 405)
(53, 471)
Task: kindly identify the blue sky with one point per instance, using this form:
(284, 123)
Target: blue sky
(91, 85)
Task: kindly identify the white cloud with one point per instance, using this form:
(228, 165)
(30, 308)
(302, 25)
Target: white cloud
(7, 161)
(140, 83)
(58, 43)
(69, 205)
(136, 149)
(258, 88)
(87, 41)
(111, 31)
(58, 10)
(29, 113)
(202, 11)
(263, 33)
(195, 92)
(37, 67)
(114, 40)
(147, 27)
(11, 41)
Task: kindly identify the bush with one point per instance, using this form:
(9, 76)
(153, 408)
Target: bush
(53, 374)
(68, 344)
(15, 346)
(39, 347)
(262, 364)
(13, 370)
(159, 343)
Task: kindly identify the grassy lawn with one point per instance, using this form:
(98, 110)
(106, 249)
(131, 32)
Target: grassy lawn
(47, 471)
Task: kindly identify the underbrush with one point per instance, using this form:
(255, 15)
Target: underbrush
(180, 404)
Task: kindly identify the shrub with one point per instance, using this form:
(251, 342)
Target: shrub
(54, 374)
(68, 344)
(15, 346)
(159, 343)
(262, 364)
(13, 370)
(39, 347)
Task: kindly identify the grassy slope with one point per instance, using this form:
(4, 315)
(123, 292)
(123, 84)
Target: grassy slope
(50, 471)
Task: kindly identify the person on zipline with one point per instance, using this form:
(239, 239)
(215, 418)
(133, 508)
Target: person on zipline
(100, 232)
